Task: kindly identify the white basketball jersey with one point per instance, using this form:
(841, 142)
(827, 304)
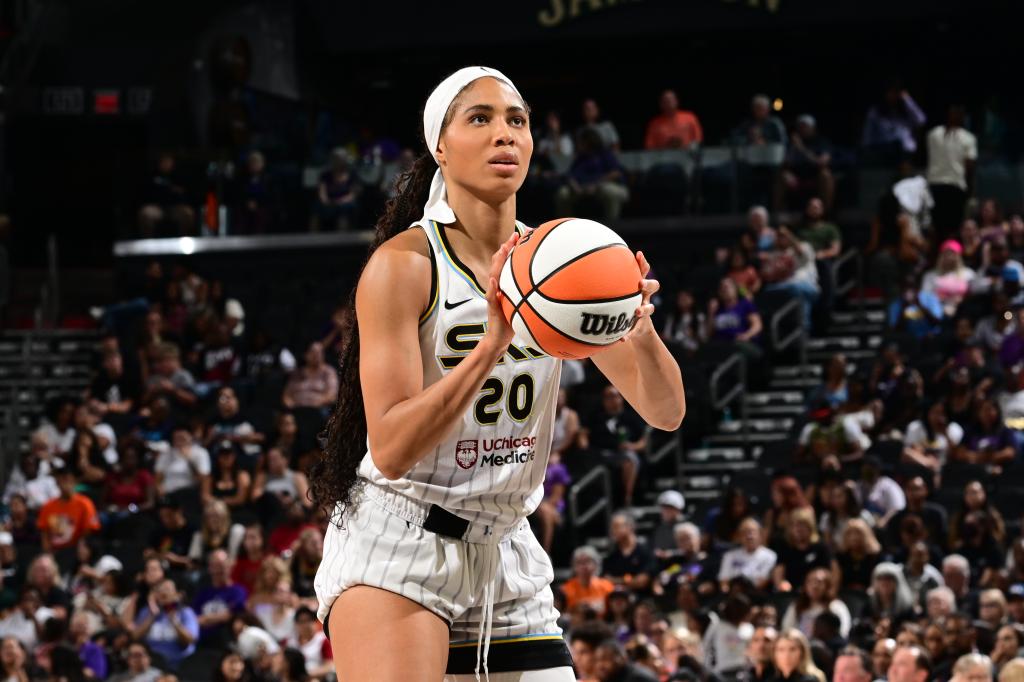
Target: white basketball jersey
(491, 468)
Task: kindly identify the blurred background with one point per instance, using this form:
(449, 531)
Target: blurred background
(829, 192)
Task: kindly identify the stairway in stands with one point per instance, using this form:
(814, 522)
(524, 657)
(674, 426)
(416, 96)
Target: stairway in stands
(773, 415)
(35, 366)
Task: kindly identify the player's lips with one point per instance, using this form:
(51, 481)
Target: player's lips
(504, 159)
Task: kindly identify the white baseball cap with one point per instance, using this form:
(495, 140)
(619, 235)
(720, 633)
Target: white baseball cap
(672, 498)
(108, 563)
(6, 538)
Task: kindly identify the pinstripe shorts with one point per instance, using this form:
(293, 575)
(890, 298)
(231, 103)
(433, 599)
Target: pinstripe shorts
(382, 544)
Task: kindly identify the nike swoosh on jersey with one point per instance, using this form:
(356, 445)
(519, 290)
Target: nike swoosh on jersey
(452, 306)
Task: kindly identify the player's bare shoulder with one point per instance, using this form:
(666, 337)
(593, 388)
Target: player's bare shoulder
(402, 263)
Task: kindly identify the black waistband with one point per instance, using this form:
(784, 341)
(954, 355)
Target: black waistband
(443, 522)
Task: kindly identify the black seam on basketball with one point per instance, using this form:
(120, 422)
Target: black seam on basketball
(548, 323)
(536, 248)
(455, 258)
(563, 266)
(589, 300)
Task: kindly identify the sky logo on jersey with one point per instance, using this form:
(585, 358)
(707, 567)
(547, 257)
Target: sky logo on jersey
(466, 453)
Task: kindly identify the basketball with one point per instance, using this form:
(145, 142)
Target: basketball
(571, 287)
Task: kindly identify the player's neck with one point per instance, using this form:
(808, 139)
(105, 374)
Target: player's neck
(488, 225)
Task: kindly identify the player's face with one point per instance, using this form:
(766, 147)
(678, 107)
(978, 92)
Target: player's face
(487, 146)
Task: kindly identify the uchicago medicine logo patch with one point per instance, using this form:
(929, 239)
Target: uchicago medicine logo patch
(466, 453)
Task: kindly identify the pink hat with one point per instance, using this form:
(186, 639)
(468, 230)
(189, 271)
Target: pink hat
(952, 245)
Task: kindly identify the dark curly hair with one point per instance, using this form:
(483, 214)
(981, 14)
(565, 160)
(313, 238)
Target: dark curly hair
(333, 475)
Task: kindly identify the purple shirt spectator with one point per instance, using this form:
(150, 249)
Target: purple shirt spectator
(556, 474)
(93, 658)
(732, 321)
(215, 600)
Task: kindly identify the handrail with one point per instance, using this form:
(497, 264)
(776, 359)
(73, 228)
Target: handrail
(798, 335)
(841, 289)
(601, 477)
(719, 402)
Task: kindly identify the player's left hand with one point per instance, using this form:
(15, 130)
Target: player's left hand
(648, 287)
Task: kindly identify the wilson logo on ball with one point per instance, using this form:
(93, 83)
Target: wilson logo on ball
(604, 325)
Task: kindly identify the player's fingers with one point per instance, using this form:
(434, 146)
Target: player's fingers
(641, 260)
(650, 287)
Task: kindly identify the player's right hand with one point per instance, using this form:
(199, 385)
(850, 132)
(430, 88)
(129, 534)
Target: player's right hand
(499, 331)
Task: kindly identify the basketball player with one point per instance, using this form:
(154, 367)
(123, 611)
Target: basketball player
(437, 449)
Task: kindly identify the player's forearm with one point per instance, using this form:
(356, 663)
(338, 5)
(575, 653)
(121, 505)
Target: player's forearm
(660, 383)
(408, 431)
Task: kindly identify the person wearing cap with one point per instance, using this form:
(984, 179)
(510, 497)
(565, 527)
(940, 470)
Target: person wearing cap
(67, 518)
(807, 167)
(663, 538)
(950, 279)
(586, 587)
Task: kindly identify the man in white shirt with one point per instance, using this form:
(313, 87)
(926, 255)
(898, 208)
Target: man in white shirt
(751, 560)
(952, 151)
(882, 496)
(184, 465)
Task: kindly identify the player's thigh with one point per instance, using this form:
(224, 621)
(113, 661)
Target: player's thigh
(381, 636)
(549, 675)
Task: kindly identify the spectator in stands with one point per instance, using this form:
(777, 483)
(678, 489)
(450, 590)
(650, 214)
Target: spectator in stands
(725, 641)
(67, 518)
(113, 392)
(858, 553)
(826, 436)
(618, 436)
(950, 279)
(20, 621)
(130, 488)
(167, 626)
(1009, 640)
(305, 559)
(605, 129)
(792, 657)
(881, 656)
(217, 532)
(630, 563)
(973, 667)
(337, 331)
(929, 441)
(663, 537)
(229, 481)
(140, 665)
(337, 195)
(217, 362)
(852, 665)
(932, 515)
(723, 521)
(882, 496)
(762, 127)
(760, 236)
(909, 664)
(960, 640)
(992, 608)
(166, 207)
(735, 320)
(743, 273)
(276, 486)
(230, 424)
(91, 654)
(286, 534)
(821, 234)
(998, 270)
(85, 460)
(683, 566)
(889, 595)
(751, 559)
(916, 312)
(285, 437)
(57, 426)
(801, 552)
(595, 174)
(611, 665)
(891, 126)
(673, 128)
(993, 329)
(216, 603)
(185, 466)
(255, 198)
(685, 325)
(314, 385)
(1011, 352)
(833, 389)
(169, 379)
(309, 638)
(787, 497)
(987, 440)
(13, 660)
(842, 505)
(171, 540)
(792, 268)
(816, 596)
(807, 168)
(31, 478)
(585, 588)
(553, 144)
(760, 656)
(952, 152)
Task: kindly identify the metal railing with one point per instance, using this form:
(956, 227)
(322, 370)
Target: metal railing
(720, 398)
(797, 335)
(673, 446)
(598, 476)
(842, 287)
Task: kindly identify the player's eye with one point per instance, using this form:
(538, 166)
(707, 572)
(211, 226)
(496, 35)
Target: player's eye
(478, 118)
(519, 121)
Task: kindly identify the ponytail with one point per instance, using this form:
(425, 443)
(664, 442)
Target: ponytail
(333, 476)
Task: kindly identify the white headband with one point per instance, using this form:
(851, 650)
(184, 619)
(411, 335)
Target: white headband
(440, 99)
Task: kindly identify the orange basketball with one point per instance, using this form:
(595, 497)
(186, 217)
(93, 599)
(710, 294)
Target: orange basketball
(571, 287)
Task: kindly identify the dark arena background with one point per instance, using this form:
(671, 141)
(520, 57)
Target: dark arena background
(830, 193)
